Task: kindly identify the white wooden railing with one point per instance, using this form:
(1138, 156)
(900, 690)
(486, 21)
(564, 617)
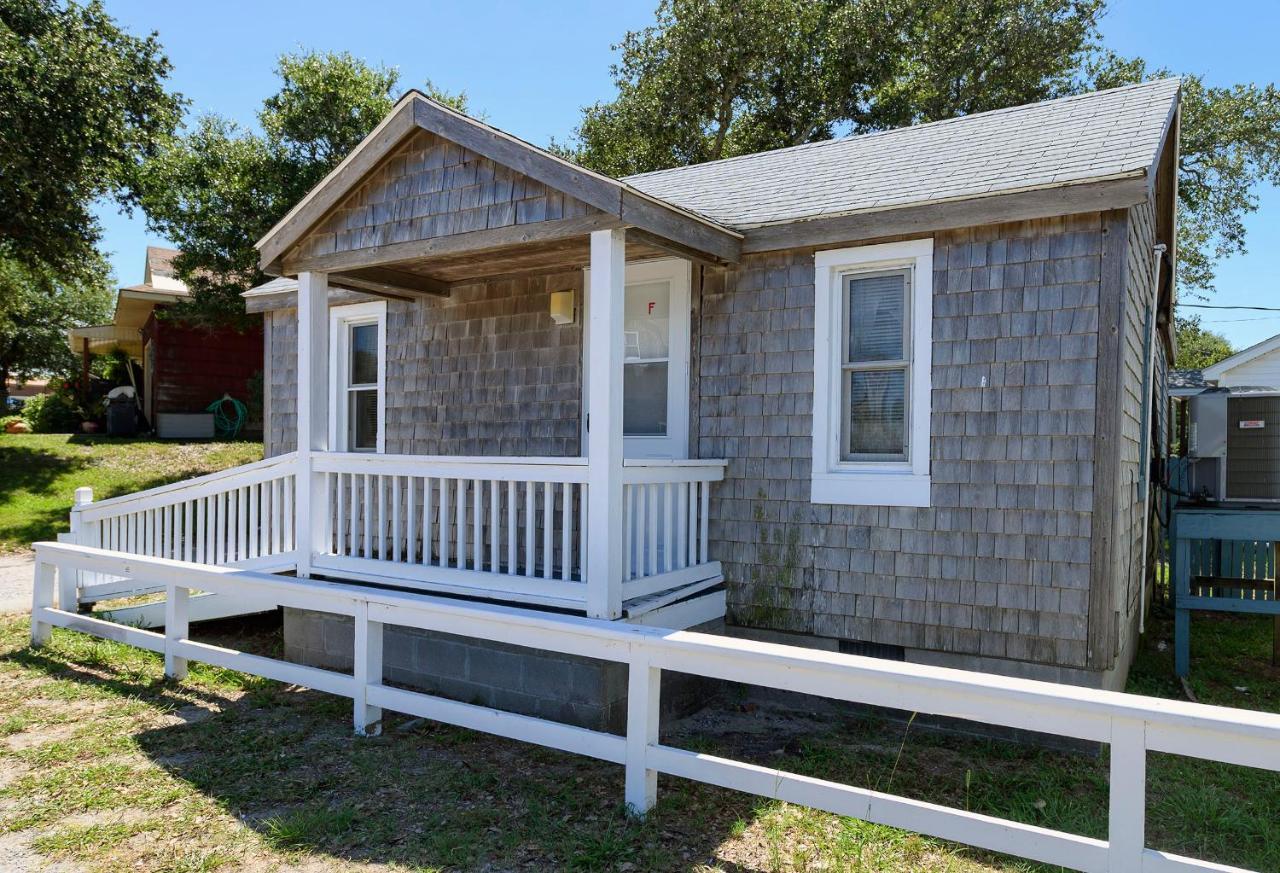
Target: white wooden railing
(509, 527)
(243, 517)
(666, 516)
(506, 525)
(1131, 724)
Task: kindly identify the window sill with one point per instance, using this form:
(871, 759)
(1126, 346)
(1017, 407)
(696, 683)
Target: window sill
(871, 488)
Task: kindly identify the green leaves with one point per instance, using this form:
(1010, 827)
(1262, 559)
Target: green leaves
(1198, 347)
(714, 78)
(82, 105)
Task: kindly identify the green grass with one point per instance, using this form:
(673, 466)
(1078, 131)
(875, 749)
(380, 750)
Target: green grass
(39, 474)
(107, 765)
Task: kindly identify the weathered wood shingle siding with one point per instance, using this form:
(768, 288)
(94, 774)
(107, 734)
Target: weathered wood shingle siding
(430, 188)
(484, 372)
(999, 564)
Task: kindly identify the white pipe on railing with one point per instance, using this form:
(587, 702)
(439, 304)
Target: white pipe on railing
(1157, 253)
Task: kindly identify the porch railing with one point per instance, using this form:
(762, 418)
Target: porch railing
(513, 528)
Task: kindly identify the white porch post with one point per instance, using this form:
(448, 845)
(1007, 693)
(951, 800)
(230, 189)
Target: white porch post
(604, 425)
(313, 412)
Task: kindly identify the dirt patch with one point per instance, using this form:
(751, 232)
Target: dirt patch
(17, 856)
(40, 735)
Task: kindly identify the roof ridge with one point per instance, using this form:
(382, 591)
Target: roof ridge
(862, 137)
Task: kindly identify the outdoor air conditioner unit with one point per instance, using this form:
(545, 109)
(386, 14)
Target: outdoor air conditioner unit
(1233, 441)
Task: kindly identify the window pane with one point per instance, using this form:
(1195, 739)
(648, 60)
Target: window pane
(363, 434)
(647, 325)
(364, 354)
(876, 308)
(644, 399)
(877, 419)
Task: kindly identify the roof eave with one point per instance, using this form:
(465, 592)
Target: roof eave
(1075, 196)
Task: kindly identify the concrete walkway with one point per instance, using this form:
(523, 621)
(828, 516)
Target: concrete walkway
(16, 574)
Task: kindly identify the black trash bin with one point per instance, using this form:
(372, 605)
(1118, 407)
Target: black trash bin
(122, 417)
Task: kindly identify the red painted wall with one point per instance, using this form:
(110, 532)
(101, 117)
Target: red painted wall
(195, 366)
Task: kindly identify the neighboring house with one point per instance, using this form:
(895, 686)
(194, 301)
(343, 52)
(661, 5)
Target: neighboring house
(1255, 367)
(890, 394)
(185, 368)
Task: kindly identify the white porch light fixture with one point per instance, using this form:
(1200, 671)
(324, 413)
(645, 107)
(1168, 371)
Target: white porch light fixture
(562, 307)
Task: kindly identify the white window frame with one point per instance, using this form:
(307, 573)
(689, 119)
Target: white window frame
(341, 320)
(678, 273)
(870, 482)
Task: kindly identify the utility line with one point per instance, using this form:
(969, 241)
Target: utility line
(1212, 306)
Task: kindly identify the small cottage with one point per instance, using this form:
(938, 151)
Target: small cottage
(892, 394)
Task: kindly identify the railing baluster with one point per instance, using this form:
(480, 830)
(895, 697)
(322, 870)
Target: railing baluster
(242, 495)
(668, 510)
(219, 529)
(702, 522)
(511, 527)
(548, 528)
(530, 567)
(461, 550)
(566, 530)
(380, 482)
(426, 519)
(201, 521)
(651, 499)
(367, 512)
(353, 514)
(477, 532)
(628, 523)
(691, 556)
(340, 513)
(583, 496)
(494, 544)
(255, 528)
(410, 523)
(395, 518)
(682, 526)
(444, 522)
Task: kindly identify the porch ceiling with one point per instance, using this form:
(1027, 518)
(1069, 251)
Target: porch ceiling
(436, 195)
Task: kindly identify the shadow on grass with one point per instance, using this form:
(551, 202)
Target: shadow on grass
(23, 468)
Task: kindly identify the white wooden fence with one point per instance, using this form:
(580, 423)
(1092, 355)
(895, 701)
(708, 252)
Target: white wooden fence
(1131, 724)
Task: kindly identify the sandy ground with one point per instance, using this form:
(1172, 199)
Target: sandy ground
(15, 583)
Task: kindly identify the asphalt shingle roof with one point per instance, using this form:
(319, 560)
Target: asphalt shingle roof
(1058, 142)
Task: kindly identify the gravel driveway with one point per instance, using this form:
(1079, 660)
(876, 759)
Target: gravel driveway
(15, 583)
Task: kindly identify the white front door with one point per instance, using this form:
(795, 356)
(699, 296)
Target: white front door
(655, 375)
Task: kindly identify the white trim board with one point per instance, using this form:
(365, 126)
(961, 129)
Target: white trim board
(340, 318)
(871, 483)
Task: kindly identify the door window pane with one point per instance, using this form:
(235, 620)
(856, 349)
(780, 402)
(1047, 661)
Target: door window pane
(644, 399)
(647, 321)
(876, 308)
(364, 354)
(363, 418)
(876, 414)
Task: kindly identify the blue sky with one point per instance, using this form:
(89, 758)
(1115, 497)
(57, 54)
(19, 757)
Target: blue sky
(531, 66)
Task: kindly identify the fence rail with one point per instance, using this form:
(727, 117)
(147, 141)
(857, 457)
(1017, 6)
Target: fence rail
(1131, 724)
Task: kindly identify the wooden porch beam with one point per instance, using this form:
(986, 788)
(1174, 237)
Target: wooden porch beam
(481, 243)
(386, 282)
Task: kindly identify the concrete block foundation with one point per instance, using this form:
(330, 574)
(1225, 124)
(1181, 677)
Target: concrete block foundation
(566, 688)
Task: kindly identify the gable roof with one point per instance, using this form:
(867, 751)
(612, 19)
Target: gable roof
(415, 110)
(1075, 154)
(1087, 138)
(1216, 371)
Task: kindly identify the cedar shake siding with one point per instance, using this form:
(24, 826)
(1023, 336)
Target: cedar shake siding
(483, 372)
(999, 564)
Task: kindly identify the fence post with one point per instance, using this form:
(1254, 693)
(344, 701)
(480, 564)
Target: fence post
(368, 671)
(644, 685)
(41, 598)
(70, 582)
(1126, 834)
(175, 629)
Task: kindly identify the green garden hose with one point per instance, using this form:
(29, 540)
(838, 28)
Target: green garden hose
(227, 426)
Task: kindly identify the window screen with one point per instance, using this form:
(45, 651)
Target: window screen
(875, 366)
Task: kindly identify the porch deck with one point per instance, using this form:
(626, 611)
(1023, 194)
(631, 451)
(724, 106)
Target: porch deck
(498, 529)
